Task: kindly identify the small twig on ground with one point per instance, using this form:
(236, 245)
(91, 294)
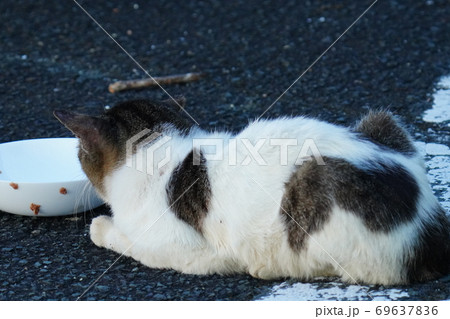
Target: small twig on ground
(161, 80)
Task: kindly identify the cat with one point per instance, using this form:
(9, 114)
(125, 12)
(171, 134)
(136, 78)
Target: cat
(289, 197)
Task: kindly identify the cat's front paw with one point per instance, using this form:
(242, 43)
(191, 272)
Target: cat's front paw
(99, 228)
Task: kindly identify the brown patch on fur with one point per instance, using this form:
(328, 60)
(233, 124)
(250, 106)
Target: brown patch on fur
(382, 196)
(99, 150)
(306, 204)
(135, 116)
(14, 185)
(189, 190)
(103, 139)
(35, 208)
(99, 163)
(63, 191)
(381, 128)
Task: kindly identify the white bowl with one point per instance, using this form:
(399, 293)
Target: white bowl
(45, 173)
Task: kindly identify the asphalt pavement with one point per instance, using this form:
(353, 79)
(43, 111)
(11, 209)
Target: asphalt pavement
(53, 56)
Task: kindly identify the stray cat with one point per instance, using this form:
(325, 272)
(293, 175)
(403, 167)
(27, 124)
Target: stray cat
(355, 203)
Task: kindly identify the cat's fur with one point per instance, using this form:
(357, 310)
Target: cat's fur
(367, 215)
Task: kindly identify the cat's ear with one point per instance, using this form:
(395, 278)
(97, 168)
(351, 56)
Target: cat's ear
(177, 103)
(86, 128)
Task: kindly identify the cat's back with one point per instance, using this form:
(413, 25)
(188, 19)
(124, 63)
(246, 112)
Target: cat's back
(364, 189)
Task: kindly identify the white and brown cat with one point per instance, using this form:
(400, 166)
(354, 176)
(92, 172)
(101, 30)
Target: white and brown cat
(356, 205)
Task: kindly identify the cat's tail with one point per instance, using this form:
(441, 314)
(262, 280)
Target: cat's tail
(430, 258)
(383, 129)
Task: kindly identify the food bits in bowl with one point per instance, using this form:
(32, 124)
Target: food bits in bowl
(43, 177)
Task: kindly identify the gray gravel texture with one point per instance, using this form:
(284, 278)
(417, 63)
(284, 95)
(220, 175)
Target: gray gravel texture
(52, 55)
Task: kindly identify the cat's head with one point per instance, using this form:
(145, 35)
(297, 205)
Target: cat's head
(103, 138)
